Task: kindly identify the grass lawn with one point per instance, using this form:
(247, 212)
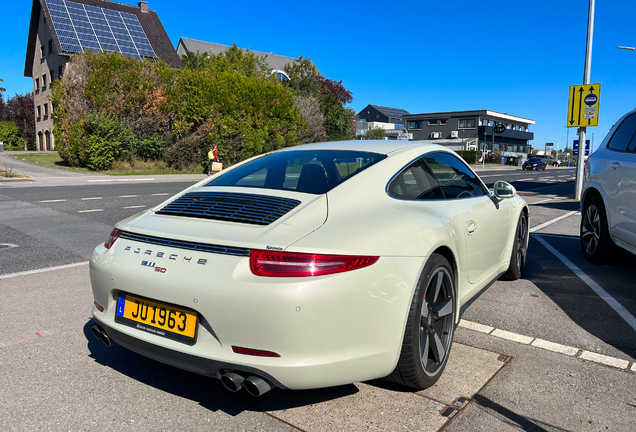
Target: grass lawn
(119, 169)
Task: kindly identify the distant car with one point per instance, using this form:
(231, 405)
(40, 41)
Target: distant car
(549, 160)
(608, 200)
(313, 266)
(534, 163)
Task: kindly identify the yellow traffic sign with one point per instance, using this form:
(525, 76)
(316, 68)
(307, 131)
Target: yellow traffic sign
(583, 105)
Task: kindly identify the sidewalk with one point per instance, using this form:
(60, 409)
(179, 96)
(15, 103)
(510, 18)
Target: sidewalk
(43, 175)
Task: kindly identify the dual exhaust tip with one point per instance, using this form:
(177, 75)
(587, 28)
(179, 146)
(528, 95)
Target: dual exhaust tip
(234, 382)
(102, 336)
(254, 385)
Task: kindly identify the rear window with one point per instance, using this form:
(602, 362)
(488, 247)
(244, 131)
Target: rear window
(309, 171)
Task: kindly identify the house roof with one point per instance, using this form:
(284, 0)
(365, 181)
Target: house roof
(149, 21)
(274, 61)
(484, 113)
(391, 112)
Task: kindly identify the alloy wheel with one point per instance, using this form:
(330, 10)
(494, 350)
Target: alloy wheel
(436, 321)
(591, 229)
(522, 233)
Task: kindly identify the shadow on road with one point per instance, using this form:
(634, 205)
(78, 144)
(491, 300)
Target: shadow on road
(577, 299)
(208, 392)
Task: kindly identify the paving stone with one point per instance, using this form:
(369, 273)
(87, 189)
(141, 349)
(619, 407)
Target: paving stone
(603, 359)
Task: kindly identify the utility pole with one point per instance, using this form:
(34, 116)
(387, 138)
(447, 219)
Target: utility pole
(586, 80)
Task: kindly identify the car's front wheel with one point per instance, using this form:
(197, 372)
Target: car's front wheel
(519, 250)
(596, 244)
(429, 330)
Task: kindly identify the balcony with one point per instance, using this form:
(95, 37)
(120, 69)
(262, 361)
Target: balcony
(514, 134)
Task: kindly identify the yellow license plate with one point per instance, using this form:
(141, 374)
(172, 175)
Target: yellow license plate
(161, 319)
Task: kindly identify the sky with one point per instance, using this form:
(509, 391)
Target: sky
(516, 57)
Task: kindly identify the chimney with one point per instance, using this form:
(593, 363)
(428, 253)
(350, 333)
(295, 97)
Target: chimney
(143, 5)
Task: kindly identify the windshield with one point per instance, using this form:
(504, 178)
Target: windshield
(309, 171)
(535, 160)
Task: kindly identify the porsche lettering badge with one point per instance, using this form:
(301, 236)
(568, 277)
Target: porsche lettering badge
(160, 254)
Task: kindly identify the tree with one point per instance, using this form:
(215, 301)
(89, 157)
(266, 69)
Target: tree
(377, 133)
(10, 135)
(314, 130)
(22, 114)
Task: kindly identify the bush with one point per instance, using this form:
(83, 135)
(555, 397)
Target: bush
(377, 133)
(151, 148)
(470, 156)
(10, 136)
(108, 140)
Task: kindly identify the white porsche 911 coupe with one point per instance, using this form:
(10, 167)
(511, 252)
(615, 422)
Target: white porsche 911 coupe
(312, 266)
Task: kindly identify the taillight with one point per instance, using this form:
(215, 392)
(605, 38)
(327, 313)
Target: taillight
(289, 264)
(114, 235)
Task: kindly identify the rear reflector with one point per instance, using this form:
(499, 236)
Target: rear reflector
(254, 352)
(289, 264)
(99, 307)
(114, 235)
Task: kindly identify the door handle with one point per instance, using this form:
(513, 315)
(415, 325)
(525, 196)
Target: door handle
(471, 227)
(615, 165)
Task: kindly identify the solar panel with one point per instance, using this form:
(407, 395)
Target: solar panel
(80, 27)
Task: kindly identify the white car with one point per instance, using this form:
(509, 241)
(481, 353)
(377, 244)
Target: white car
(312, 266)
(608, 201)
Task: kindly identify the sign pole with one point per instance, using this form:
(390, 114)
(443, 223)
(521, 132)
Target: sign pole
(586, 80)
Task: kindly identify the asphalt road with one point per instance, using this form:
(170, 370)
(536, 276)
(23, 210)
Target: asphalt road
(57, 377)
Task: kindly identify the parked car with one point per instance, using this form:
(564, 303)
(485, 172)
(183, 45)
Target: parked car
(608, 200)
(312, 266)
(534, 163)
(549, 160)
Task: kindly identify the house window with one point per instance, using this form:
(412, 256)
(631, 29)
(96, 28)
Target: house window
(46, 111)
(43, 82)
(432, 122)
(467, 123)
(37, 85)
(484, 122)
(52, 72)
(60, 72)
(39, 112)
(50, 46)
(442, 122)
(42, 51)
(415, 125)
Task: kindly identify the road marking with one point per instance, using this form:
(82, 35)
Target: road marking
(121, 180)
(92, 198)
(133, 207)
(160, 194)
(611, 301)
(606, 360)
(50, 201)
(512, 336)
(550, 346)
(541, 202)
(555, 347)
(475, 326)
(550, 222)
(43, 270)
(525, 179)
(90, 211)
(128, 196)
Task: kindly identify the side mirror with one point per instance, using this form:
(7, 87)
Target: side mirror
(503, 190)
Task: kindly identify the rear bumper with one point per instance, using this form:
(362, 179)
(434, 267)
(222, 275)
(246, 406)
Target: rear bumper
(189, 362)
(328, 330)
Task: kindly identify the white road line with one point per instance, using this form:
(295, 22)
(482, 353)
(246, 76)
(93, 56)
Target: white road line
(128, 196)
(92, 198)
(133, 207)
(606, 360)
(160, 194)
(611, 301)
(550, 222)
(43, 270)
(90, 211)
(525, 179)
(50, 201)
(543, 201)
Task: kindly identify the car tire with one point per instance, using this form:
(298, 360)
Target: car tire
(519, 250)
(596, 244)
(429, 329)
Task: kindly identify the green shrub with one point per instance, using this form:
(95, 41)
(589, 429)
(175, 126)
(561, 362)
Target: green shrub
(108, 140)
(10, 136)
(151, 148)
(377, 133)
(470, 156)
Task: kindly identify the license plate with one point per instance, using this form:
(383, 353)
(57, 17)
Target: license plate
(161, 319)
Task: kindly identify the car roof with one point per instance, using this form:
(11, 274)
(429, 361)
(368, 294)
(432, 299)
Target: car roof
(374, 146)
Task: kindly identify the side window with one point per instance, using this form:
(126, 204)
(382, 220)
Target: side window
(416, 183)
(624, 136)
(456, 180)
